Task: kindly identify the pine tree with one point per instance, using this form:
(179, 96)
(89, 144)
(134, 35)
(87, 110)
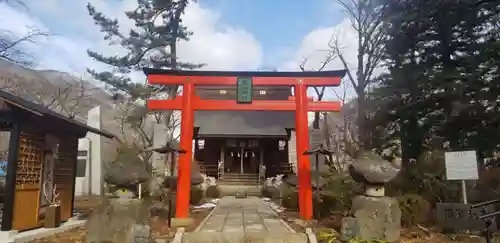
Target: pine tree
(151, 43)
(440, 84)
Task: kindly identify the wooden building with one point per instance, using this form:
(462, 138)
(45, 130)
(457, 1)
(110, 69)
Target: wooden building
(243, 140)
(42, 153)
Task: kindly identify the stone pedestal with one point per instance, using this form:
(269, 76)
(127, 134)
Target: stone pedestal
(182, 222)
(374, 218)
(119, 221)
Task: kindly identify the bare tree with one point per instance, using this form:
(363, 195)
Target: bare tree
(366, 19)
(15, 3)
(339, 132)
(136, 126)
(11, 47)
(320, 91)
(68, 97)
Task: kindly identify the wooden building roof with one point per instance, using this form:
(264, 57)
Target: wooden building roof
(51, 119)
(244, 123)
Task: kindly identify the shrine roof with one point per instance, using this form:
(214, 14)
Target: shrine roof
(44, 112)
(244, 123)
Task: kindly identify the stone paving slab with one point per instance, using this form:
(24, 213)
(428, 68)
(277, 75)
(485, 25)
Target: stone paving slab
(219, 237)
(243, 215)
(236, 220)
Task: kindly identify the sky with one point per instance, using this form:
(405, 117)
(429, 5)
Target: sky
(228, 34)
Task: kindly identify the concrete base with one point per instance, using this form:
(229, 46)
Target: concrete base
(182, 222)
(30, 235)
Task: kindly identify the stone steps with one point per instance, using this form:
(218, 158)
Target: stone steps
(238, 182)
(230, 190)
(245, 179)
(240, 176)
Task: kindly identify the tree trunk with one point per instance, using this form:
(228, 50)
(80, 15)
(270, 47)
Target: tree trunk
(159, 166)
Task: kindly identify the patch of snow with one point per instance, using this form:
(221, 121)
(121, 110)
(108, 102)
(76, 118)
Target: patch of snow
(205, 205)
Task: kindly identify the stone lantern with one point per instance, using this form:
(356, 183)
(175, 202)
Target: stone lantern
(374, 216)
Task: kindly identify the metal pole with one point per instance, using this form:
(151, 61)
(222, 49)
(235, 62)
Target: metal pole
(464, 192)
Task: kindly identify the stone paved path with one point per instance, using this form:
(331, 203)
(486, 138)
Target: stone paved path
(249, 215)
(243, 220)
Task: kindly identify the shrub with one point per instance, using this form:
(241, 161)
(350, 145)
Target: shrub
(290, 199)
(414, 208)
(196, 196)
(212, 192)
(339, 192)
(270, 192)
(324, 203)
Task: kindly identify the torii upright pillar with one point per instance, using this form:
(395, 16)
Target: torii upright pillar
(302, 139)
(186, 143)
(189, 102)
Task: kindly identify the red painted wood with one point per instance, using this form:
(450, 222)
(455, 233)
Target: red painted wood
(293, 98)
(303, 161)
(216, 80)
(259, 105)
(186, 143)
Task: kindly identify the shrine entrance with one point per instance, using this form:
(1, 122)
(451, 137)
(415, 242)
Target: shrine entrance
(188, 102)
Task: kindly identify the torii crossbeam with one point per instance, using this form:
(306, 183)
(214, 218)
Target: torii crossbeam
(189, 102)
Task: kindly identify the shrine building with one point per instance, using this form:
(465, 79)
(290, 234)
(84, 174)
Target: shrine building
(243, 140)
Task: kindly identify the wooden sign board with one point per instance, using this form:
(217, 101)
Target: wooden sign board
(316, 138)
(244, 88)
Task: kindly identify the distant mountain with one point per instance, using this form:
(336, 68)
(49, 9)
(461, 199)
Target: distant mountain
(59, 91)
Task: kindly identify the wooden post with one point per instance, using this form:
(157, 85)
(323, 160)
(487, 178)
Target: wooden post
(304, 164)
(74, 140)
(10, 180)
(220, 171)
(262, 176)
(184, 174)
(242, 150)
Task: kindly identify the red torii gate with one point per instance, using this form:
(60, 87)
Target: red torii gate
(188, 102)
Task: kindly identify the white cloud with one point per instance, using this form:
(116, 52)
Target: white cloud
(217, 45)
(315, 47)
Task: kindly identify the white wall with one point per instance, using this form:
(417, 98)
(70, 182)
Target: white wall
(93, 181)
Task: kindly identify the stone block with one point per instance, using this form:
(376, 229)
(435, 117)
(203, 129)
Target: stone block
(115, 220)
(182, 222)
(139, 230)
(241, 194)
(141, 233)
(375, 218)
(349, 229)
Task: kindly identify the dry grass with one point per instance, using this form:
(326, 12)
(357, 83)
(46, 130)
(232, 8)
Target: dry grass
(414, 235)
